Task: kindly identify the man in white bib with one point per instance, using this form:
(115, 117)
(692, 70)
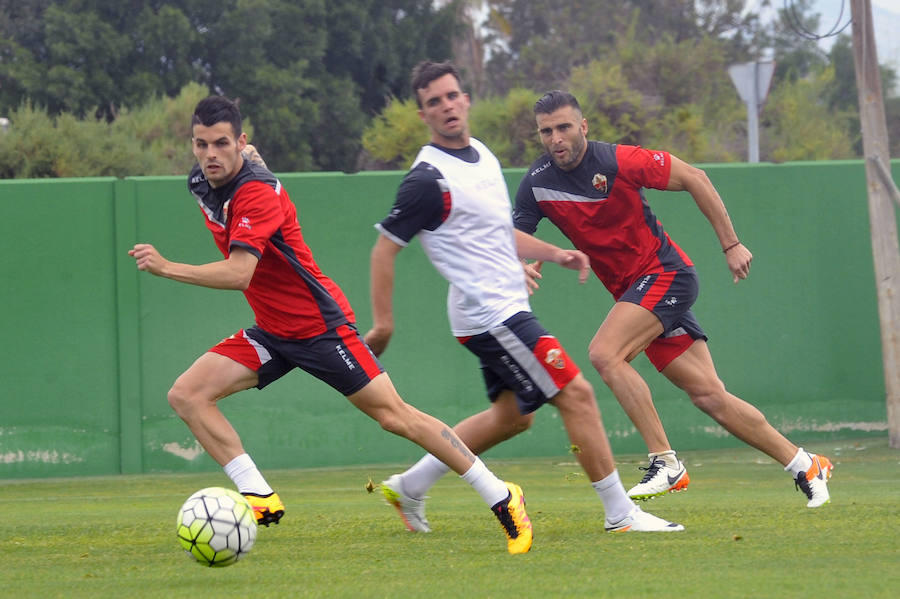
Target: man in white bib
(455, 199)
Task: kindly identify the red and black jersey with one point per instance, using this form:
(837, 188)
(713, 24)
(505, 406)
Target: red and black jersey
(290, 296)
(600, 206)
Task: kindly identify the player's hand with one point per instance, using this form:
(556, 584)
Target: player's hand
(576, 260)
(739, 259)
(148, 258)
(377, 340)
(532, 274)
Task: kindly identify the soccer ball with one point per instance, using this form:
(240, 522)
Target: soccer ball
(216, 526)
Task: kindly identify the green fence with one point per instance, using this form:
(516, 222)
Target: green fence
(91, 345)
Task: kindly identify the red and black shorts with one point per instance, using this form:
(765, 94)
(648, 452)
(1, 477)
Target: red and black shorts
(669, 295)
(522, 356)
(339, 356)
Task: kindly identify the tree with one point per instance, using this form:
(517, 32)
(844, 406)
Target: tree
(797, 52)
(841, 95)
(535, 44)
(299, 67)
(798, 125)
(77, 56)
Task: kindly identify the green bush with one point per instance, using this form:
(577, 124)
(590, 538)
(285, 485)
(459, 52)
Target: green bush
(798, 124)
(395, 136)
(153, 139)
(507, 126)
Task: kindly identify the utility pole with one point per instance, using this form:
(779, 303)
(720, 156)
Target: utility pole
(882, 218)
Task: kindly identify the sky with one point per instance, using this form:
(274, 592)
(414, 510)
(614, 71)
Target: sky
(885, 15)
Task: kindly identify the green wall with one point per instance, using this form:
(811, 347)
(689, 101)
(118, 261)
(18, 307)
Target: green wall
(91, 345)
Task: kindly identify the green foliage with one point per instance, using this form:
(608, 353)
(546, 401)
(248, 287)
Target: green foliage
(656, 73)
(615, 112)
(278, 102)
(842, 96)
(507, 126)
(299, 66)
(395, 136)
(336, 100)
(375, 43)
(681, 131)
(163, 126)
(65, 146)
(535, 44)
(797, 124)
(313, 74)
(153, 139)
(22, 155)
(795, 56)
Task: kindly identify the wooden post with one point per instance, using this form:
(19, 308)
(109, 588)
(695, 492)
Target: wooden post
(882, 218)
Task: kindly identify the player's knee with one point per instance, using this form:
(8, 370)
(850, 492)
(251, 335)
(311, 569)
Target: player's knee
(520, 424)
(602, 360)
(580, 388)
(710, 398)
(577, 397)
(185, 400)
(392, 425)
(397, 420)
(179, 399)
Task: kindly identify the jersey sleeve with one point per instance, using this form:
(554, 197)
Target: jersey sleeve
(255, 217)
(643, 168)
(419, 205)
(526, 214)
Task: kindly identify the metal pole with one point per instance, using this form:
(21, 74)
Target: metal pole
(753, 118)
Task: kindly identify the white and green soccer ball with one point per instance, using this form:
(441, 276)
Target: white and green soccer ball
(216, 526)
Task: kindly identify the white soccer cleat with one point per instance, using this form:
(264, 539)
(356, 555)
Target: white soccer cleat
(638, 520)
(660, 479)
(814, 482)
(412, 511)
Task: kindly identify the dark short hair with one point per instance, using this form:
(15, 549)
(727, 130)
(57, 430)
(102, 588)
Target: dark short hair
(426, 71)
(217, 109)
(553, 101)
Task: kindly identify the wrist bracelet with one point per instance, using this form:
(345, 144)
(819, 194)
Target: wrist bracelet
(732, 246)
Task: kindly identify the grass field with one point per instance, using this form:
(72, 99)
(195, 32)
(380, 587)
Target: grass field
(748, 534)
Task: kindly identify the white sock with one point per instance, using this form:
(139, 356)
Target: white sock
(246, 476)
(667, 456)
(422, 475)
(801, 463)
(616, 502)
(492, 489)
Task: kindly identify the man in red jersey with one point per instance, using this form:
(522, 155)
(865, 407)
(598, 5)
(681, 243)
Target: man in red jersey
(592, 191)
(302, 317)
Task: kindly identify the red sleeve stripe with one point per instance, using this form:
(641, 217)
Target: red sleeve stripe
(445, 196)
(448, 203)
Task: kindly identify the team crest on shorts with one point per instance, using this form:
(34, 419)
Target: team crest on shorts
(599, 182)
(555, 358)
